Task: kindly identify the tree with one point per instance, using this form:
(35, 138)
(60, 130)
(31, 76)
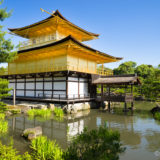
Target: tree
(145, 71)
(6, 54)
(125, 68)
(100, 144)
(6, 47)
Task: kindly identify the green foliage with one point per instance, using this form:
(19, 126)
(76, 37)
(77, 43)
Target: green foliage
(149, 77)
(39, 113)
(3, 126)
(145, 71)
(6, 47)
(157, 116)
(45, 149)
(2, 116)
(125, 68)
(8, 152)
(100, 144)
(58, 112)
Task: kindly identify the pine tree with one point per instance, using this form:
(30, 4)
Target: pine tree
(6, 54)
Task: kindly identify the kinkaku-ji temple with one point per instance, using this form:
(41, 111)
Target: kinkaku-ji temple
(55, 65)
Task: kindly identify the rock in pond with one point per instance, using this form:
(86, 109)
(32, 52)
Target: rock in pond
(51, 106)
(31, 133)
(155, 109)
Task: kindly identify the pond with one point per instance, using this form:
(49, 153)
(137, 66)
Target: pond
(140, 133)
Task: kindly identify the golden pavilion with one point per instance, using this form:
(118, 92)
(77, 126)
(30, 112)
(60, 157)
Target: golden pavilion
(55, 63)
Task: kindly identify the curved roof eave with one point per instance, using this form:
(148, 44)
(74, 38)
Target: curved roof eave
(75, 41)
(56, 13)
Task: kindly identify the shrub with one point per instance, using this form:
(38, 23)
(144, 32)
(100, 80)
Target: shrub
(58, 112)
(39, 113)
(101, 144)
(3, 127)
(157, 115)
(46, 149)
(2, 116)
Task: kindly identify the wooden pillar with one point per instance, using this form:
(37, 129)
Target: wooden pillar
(14, 97)
(125, 103)
(67, 87)
(101, 95)
(132, 104)
(109, 102)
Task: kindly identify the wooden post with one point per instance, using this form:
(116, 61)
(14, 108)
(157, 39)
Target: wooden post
(109, 102)
(125, 103)
(101, 95)
(14, 97)
(132, 95)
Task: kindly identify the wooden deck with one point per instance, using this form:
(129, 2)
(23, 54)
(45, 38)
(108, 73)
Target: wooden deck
(55, 100)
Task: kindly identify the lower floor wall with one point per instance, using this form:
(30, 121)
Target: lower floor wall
(50, 87)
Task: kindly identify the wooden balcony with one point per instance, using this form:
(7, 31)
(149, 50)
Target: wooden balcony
(52, 68)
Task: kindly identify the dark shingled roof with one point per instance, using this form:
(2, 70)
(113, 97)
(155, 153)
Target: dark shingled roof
(116, 80)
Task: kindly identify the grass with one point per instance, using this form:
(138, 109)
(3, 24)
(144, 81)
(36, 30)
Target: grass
(45, 149)
(2, 116)
(3, 126)
(39, 113)
(58, 112)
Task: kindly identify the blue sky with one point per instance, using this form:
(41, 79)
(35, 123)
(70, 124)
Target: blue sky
(127, 28)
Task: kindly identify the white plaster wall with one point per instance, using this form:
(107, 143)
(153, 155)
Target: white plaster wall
(12, 80)
(20, 93)
(72, 89)
(73, 78)
(39, 79)
(11, 85)
(59, 85)
(83, 89)
(48, 94)
(57, 93)
(59, 78)
(48, 85)
(39, 93)
(30, 93)
(39, 85)
(82, 79)
(20, 80)
(48, 79)
(31, 79)
(20, 85)
(29, 85)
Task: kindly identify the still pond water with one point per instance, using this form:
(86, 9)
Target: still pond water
(140, 133)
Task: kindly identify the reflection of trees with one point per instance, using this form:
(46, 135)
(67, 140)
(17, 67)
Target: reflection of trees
(124, 124)
(153, 141)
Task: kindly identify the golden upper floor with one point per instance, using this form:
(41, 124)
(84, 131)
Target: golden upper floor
(56, 27)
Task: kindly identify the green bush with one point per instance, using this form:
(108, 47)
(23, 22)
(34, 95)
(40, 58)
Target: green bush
(3, 126)
(44, 149)
(157, 116)
(101, 144)
(9, 153)
(58, 112)
(2, 116)
(39, 113)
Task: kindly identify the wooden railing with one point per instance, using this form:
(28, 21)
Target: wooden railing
(37, 42)
(52, 68)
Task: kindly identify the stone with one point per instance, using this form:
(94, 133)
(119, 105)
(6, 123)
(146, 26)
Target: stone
(25, 109)
(155, 109)
(41, 106)
(73, 111)
(31, 133)
(8, 113)
(51, 106)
